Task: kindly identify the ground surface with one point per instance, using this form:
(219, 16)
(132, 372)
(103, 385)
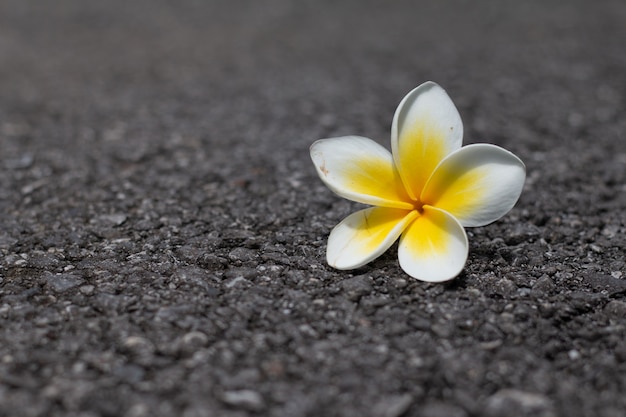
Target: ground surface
(162, 229)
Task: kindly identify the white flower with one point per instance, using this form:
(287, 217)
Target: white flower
(424, 192)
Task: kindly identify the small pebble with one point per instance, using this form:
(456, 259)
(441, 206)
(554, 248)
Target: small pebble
(246, 399)
(63, 282)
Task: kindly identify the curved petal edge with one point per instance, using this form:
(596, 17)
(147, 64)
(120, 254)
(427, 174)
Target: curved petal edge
(434, 247)
(478, 184)
(359, 169)
(365, 235)
(426, 127)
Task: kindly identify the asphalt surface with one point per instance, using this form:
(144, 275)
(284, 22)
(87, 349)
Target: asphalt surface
(163, 231)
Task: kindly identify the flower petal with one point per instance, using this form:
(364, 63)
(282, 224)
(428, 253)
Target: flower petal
(477, 184)
(365, 235)
(434, 247)
(361, 170)
(426, 127)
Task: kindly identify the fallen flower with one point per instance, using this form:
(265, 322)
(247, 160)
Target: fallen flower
(424, 192)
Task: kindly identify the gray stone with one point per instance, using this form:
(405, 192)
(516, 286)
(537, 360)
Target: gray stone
(246, 399)
(616, 309)
(63, 282)
(356, 287)
(393, 405)
(503, 402)
(242, 254)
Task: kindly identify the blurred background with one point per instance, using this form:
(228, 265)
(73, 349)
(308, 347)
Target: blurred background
(162, 229)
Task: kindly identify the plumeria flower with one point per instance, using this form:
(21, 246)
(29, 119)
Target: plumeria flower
(424, 192)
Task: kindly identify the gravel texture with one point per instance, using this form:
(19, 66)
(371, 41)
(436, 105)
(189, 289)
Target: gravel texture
(163, 231)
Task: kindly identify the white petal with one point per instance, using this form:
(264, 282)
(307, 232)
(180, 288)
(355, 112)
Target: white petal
(434, 247)
(365, 235)
(361, 170)
(477, 184)
(426, 127)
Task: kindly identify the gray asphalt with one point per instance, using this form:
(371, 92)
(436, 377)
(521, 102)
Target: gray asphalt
(163, 231)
